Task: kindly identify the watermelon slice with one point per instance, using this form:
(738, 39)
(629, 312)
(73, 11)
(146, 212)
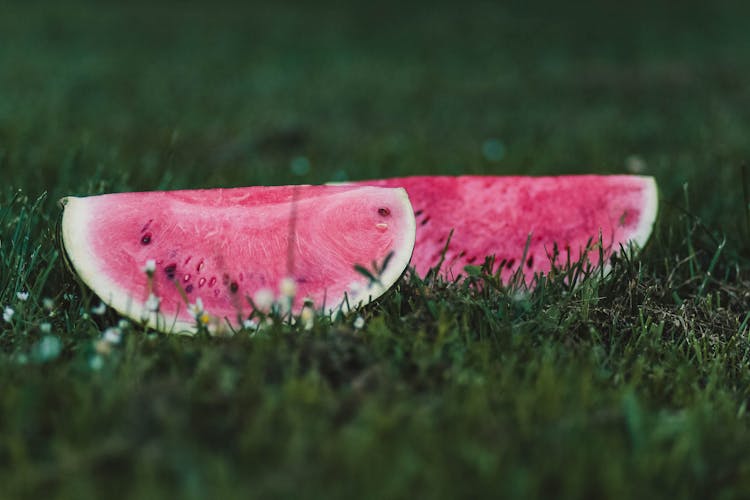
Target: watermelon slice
(149, 255)
(523, 220)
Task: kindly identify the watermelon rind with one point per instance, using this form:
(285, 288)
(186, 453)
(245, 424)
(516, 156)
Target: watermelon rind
(650, 212)
(77, 217)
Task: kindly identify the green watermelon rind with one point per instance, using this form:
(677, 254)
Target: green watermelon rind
(85, 263)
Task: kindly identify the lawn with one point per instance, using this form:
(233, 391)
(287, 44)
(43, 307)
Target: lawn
(637, 385)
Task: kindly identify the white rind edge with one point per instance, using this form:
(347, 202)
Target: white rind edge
(645, 227)
(75, 239)
(401, 258)
(75, 222)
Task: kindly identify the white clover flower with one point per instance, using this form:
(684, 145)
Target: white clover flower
(359, 323)
(288, 287)
(8, 313)
(263, 299)
(152, 303)
(48, 303)
(150, 267)
(307, 317)
(22, 296)
(45, 327)
(249, 324)
(112, 335)
(100, 309)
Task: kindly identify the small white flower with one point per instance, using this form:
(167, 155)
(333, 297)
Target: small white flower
(198, 313)
(8, 313)
(249, 324)
(22, 296)
(123, 324)
(288, 287)
(96, 362)
(307, 317)
(45, 327)
(196, 309)
(152, 303)
(48, 303)
(48, 348)
(359, 323)
(100, 309)
(263, 299)
(150, 267)
(113, 335)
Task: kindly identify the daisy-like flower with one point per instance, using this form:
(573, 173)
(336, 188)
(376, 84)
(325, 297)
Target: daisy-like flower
(249, 324)
(8, 313)
(204, 318)
(288, 287)
(263, 299)
(359, 323)
(150, 267)
(197, 308)
(152, 303)
(100, 309)
(22, 296)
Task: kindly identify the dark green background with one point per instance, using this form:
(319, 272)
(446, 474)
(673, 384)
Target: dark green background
(636, 386)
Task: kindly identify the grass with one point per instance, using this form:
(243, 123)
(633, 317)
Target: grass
(634, 385)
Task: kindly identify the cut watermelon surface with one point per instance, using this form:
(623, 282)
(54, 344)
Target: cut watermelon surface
(523, 221)
(226, 246)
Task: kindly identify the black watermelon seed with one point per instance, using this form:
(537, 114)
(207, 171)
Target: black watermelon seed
(233, 287)
(384, 211)
(170, 270)
(189, 288)
(146, 239)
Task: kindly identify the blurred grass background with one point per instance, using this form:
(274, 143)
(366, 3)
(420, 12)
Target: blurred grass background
(637, 388)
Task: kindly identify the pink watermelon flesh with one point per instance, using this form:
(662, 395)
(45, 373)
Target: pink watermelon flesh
(499, 215)
(225, 245)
